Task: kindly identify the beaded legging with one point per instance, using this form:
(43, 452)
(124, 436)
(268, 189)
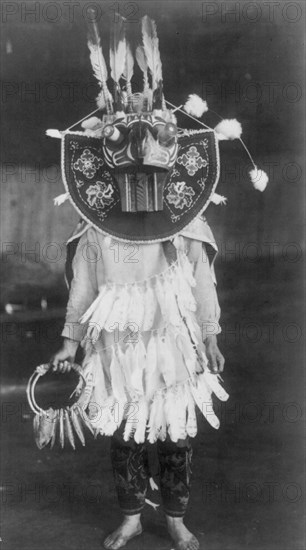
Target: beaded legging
(131, 471)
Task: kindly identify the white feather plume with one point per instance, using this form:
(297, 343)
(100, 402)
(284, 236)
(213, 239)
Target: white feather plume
(97, 62)
(191, 424)
(202, 397)
(128, 68)
(129, 430)
(152, 374)
(150, 306)
(141, 418)
(51, 132)
(157, 420)
(171, 305)
(228, 129)
(159, 290)
(91, 123)
(195, 106)
(151, 49)
(172, 416)
(142, 62)
(117, 52)
(166, 363)
(100, 70)
(100, 314)
(213, 382)
(259, 179)
(117, 379)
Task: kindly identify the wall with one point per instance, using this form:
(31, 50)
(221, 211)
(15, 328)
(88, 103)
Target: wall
(247, 65)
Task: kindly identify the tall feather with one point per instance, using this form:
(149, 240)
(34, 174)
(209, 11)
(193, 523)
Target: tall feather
(151, 50)
(117, 56)
(142, 62)
(98, 64)
(128, 68)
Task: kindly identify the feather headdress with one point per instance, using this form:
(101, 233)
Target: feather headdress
(117, 57)
(151, 50)
(104, 99)
(128, 68)
(143, 65)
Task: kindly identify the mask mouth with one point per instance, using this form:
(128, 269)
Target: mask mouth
(141, 190)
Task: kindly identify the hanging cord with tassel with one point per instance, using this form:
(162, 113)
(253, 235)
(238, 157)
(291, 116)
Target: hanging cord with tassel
(227, 129)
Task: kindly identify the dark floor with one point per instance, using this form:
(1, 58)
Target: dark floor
(248, 484)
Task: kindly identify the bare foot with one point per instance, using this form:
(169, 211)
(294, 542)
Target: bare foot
(129, 528)
(183, 539)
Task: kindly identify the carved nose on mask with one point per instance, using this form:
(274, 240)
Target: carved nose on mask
(112, 133)
(140, 138)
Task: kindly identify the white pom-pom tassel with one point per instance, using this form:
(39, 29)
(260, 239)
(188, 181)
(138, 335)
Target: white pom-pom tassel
(259, 179)
(91, 123)
(195, 106)
(54, 133)
(218, 199)
(60, 199)
(228, 129)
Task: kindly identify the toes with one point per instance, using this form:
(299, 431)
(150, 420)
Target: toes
(112, 544)
(107, 543)
(118, 544)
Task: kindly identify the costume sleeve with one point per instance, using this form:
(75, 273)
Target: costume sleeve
(84, 287)
(208, 309)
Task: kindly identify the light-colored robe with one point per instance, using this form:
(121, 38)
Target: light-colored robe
(142, 318)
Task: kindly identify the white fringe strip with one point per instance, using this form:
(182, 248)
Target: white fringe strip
(168, 292)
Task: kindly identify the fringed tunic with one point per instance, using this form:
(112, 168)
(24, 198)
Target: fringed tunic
(141, 314)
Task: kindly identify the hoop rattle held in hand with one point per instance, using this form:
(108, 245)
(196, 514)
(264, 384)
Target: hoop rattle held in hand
(64, 423)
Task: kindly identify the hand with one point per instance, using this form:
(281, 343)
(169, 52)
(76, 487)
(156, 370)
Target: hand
(63, 359)
(215, 358)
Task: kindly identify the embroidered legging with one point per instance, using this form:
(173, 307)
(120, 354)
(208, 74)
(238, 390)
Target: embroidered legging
(131, 471)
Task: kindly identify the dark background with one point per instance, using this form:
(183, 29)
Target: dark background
(248, 65)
